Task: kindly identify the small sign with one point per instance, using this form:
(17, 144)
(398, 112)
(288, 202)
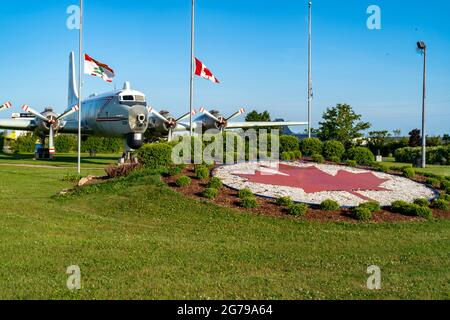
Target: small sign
(379, 158)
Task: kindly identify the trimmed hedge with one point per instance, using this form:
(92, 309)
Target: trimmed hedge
(210, 193)
(435, 155)
(284, 201)
(333, 150)
(215, 183)
(422, 202)
(363, 156)
(440, 204)
(411, 209)
(362, 214)
(248, 203)
(155, 155)
(245, 193)
(330, 205)
(289, 143)
(318, 158)
(310, 146)
(183, 181)
(65, 143)
(298, 209)
(409, 172)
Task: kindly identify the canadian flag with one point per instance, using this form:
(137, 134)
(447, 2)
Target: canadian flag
(202, 71)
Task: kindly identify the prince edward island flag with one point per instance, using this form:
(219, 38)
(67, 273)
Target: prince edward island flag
(98, 69)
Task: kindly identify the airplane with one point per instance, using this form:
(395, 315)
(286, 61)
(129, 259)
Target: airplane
(122, 113)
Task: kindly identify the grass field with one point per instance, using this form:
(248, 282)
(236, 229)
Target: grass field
(144, 241)
(439, 170)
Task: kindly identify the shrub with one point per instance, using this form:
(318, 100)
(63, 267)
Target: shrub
(102, 144)
(65, 143)
(298, 209)
(155, 155)
(409, 172)
(435, 155)
(445, 197)
(122, 170)
(440, 204)
(329, 205)
(284, 201)
(245, 193)
(352, 163)
(248, 203)
(297, 154)
(289, 143)
(310, 146)
(215, 183)
(436, 183)
(445, 185)
(373, 206)
(333, 149)
(362, 156)
(201, 172)
(411, 209)
(286, 156)
(424, 212)
(174, 170)
(318, 158)
(210, 193)
(335, 159)
(422, 202)
(380, 166)
(363, 214)
(25, 143)
(183, 181)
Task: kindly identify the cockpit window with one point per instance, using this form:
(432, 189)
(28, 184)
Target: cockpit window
(140, 98)
(127, 98)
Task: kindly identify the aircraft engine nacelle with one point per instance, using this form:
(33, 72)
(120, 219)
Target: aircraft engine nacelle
(163, 127)
(43, 127)
(209, 123)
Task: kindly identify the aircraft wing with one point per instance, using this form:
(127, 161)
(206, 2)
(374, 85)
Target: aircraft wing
(19, 124)
(236, 125)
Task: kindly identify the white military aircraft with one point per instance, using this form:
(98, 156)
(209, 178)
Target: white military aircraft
(122, 113)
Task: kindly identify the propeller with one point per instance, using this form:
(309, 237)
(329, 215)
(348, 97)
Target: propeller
(52, 121)
(7, 105)
(170, 122)
(222, 122)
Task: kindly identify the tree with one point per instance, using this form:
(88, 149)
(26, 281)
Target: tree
(446, 138)
(255, 116)
(341, 123)
(378, 140)
(397, 133)
(415, 139)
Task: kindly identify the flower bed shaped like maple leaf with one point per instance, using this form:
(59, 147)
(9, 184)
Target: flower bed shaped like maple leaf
(312, 180)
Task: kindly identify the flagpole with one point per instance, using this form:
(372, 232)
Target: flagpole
(80, 84)
(310, 93)
(191, 129)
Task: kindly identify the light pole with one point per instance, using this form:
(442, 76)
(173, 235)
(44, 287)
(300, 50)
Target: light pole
(423, 49)
(80, 85)
(191, 93)
(310, 92)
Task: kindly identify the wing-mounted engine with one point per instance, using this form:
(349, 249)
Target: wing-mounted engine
(163, 123)
(214, 120)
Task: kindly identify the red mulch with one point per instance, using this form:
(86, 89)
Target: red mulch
(228, 198)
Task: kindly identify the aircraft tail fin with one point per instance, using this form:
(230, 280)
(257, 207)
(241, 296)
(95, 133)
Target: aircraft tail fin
(73, 91)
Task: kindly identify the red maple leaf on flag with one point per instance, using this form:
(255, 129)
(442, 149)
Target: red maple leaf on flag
(312, 180)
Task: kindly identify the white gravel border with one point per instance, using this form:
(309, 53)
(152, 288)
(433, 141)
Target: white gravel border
(400, 188)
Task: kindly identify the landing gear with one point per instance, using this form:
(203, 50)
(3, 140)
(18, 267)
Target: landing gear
(43, 153)
(130, 143)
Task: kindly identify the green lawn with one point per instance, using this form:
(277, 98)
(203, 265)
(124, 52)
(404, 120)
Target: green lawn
(144, 241)
(435, 169)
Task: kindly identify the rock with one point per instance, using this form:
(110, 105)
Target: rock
(85, 180)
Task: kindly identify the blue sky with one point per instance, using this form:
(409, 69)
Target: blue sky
(258, 50)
